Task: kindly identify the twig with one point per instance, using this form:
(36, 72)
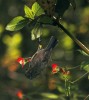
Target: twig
(72, 36)
(72, 82)
(86, 97)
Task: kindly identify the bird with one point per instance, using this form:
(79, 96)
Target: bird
(40, 59)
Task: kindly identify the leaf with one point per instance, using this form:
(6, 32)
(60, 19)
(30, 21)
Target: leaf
(88, 76)
(50, 95)
(85, 66)
(60, 89)
(45, 20)
(16, 24)
(62, 6)
(73, 3)
(28, 12)
(83, 53)
(37, 10)
(36, 32)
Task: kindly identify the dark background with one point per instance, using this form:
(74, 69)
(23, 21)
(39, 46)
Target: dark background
(19, 44)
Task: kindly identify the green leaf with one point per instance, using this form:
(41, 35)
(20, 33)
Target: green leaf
(62, 6)
(50, 95)
(73, 3)
(28, 12)
(36, 32)
(37, 10)
(45, 20)
(16, 24)
(60, 89)
(88, 76)
(85, 66)
(83, 53)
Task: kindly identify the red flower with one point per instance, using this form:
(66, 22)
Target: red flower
(19, 94)
(55, 68)
(54, 65)
(21, 61)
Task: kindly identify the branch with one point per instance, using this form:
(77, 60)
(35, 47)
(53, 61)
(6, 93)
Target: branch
(86, 97)
(85, 49)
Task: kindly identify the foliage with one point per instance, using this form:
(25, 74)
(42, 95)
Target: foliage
(17, 23)
(42, 20)
(37, 15)
(85, 66)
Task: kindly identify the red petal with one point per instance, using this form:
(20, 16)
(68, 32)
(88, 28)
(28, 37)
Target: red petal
(19, 94)
(20, 59)
(54, 66)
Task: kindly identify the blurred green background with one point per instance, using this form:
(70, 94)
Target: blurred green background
(19, 44)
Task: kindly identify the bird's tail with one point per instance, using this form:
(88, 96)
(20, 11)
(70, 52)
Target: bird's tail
(52, 43)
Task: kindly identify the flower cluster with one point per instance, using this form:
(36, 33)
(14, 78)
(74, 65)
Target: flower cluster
(23, 61)
(56, 69)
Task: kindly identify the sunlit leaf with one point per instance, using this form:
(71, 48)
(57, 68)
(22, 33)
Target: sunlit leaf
(60, 89)
(16, 24)
(50, 95)
(85, 65)
(37, 10)
(28, 12)
(62, 6)
(36, 32)
(73, 3)
(83, 53)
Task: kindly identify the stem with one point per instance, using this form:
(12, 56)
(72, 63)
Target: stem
(79, 78)
(86, 97)
(66, 87)
(73, 68)
(72, 36)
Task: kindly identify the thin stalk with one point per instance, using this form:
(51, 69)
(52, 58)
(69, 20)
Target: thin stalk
(66, 87)
(78, 78)
(86, 97)
(73, 68)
